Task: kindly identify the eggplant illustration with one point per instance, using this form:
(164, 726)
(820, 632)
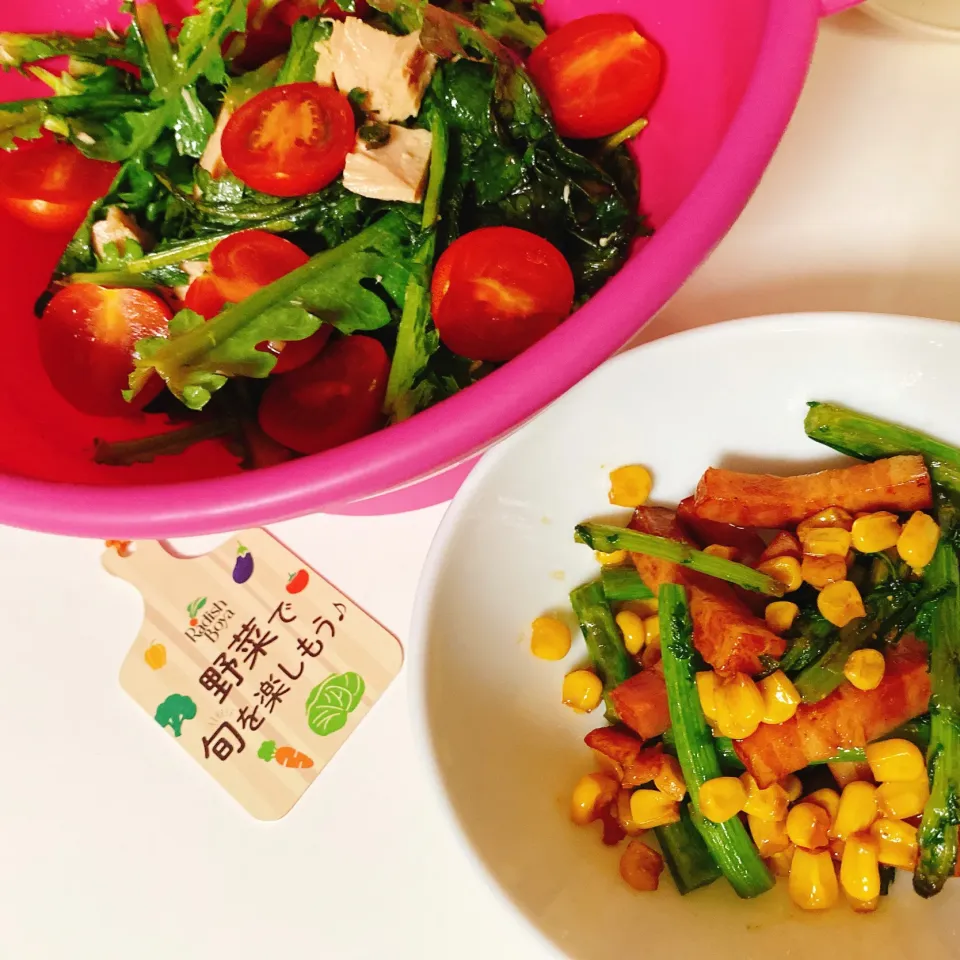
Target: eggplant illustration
(243, 568)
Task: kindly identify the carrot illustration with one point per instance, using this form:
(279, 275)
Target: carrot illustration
(285, 756)
(194, 608)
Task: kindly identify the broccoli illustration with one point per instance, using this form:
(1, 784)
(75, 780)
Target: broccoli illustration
(174, 710)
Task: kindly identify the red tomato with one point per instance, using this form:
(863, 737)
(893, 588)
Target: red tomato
(205, 297)
(598, 73)
(497, 291)
(88, 336)
(289, 11)
(51, 185)
(292, 354)
(246, 261)
(290, 140)
(331, 401)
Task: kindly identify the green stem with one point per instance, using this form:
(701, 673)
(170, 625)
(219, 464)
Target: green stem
(686, 855)
(627, 133)
(624, 583)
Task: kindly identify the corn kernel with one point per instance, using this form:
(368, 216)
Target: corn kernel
(651, 808)
(612, 559)
(643, 608)
(863, 906)
(821, 571)
(807, 826)
(707, 691)
(651, 629)
(786, 570)
(831, 517)
(828, 799)
(865, 668)
(549, 638)
(898, 760)
(641, 866)
(721, 798)
(739, 706)
(582, 690)
(625, 815)
(770, 803)
(826, 542)
(780, 697)
(836, 848)
(591, 795)
(896, 842)
(631, 626)
(840, 603)
(608, 765)
(630, 486)
(813, 881)
(792, 787)
(860, 867)
(918, 540)
(876, 532)
(770, 836)
(719, 550)
(900, 800)
(669, 778)
(780, 615)
(857, 810)
(779, 863)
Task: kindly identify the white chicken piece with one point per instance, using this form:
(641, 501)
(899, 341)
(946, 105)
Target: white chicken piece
(393, 71)
(211, 159)
(395, 171)
(324, 71)
(117, 228)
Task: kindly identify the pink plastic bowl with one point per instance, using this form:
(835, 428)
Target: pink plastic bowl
(731, 85)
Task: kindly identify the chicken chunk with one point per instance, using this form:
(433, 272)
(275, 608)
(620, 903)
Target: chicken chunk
(211, 159)
(117, 228)
(394, 171)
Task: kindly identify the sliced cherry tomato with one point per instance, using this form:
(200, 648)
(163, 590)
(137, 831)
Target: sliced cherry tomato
(88, 336)
(498, 290)
(292, 354)
(599, 74)
(205, 297)
(331, 401)
(290, 140)
(246, 261)
(51, 185)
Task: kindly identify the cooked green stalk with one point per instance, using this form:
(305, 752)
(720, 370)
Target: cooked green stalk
(807, 641)
(728, 842)
(17, 49)
(606, 538)
(686, 855)
(624, 583)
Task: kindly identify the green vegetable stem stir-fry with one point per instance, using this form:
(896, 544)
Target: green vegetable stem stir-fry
(297, 221)
(780, 662)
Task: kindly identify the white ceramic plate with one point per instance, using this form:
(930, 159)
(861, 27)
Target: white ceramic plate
(498, 741)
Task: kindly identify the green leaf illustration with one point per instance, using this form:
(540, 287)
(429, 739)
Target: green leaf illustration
(331, 701)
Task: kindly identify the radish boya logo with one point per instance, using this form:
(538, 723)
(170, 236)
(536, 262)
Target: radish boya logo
(194, 608)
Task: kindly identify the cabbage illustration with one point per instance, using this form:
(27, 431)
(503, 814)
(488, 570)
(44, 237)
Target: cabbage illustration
(332, 701)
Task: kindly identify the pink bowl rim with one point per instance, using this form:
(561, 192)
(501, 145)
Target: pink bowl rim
(466, 423)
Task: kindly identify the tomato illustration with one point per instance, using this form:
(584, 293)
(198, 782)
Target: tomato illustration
(297, 581)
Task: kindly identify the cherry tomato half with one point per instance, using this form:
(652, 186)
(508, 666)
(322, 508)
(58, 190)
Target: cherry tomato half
(205, 297)
(246, 261)
(88, 336)
(331, 401)
(290, 140)
(598, 73)
(51, 185)
(498, 290)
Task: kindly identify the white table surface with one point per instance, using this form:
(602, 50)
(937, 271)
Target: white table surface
(115, 846)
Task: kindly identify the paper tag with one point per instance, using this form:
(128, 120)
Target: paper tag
(257, 666)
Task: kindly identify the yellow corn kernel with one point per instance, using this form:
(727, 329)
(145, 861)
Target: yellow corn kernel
(784, 569)
(821, 571)
(591, 795)
(641, 866)
(739, 706)
(582, 690)
(898, 760)
(651, 808)
(549, 638)
(780, 615)
(857, 809)
(707, 690)
(807, 826)
(625, 815)
(918, 540)
(899, 800)
(865, 669)
(792, 787)
(770, 836)
(831, 517)
(779, 863)
(826, 542)
(876, 532)
(836, 849)
(860, 867)
(780, 697)
(631, 626)
(608, 765)
(651, 629)
(719, 550)
(896, 842)
(613, 559)
(669, 778)
(769, 803)
(630, 486)
(826, 798)
(722, 798)
(840, 603)
(813, 881)
(643, 608)
(863, 906)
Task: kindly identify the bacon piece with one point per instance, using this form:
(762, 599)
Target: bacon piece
(641, 703)
(729, 637)
(747, 543)
(900, 484)
(848, 717)
(782, 545)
